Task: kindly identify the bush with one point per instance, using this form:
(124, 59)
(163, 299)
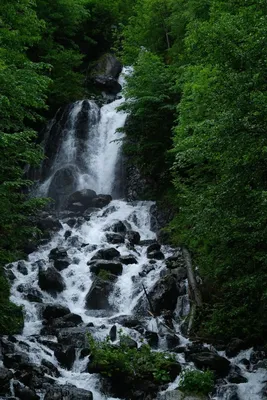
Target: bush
(11, 316)
(197, 382)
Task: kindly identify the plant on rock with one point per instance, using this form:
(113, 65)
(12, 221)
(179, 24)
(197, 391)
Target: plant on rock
(196, 382)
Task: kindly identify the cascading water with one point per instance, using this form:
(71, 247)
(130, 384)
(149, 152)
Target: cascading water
(89, 153)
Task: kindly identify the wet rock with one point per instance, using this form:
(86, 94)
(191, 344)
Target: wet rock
(113, 267)
(10, 275)
(63, 183)
(146, 270)
(258, 354)
(228, 392)
(126, 341)
(34, 295)
(260, 364)
(235, 375)
(172, 341)
(98, 296)
(67, 392)
(62, 263)
(126, 320)
(22, 267)
(113, 333)
(152, 339)
(57, 253)
(49, 223)
(102, 200)
(67, 234)
(71, 222)
(212, 361)
(178, 395)
(25, 393)
(175, 261)
(51, 281)
(108, 84)
(76, 337)
(153, 247)
(133, 237)
(68, 321)
(14, 360)
(51, 367)
(6, 346)
(180, 273)
(84, 197)
(114, 238)
(156, 255)
(52, 311)
(128, 260)
(5, 377)
(234, 347)
(65, 356)
(106, 254)
(118, 227)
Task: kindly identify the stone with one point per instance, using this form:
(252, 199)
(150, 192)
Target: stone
(114, 238)
(152, 339)
(234, 347)
(178, 395)
(172, 341)
(235, 375)
(98, 296)
(133, 237)
(67, 392)
(62, 263)
(5, 376)
(14, 360)
(102, 200)
(34, 295)
(153, 247)
(106, 254)
(128, 260)
(22, 267)
(83, 197)
(57, 253)
(52, 311)
(49, 223)
(156, 255)
(51, 367)
(113, 333)
(212, 361)
(113, 267)
(118, 227)
(24, 393)
(228, 392)
(65, 356)
(146, 270)
(76, 336)
(128, 342)
(63, 183)
(51, 281)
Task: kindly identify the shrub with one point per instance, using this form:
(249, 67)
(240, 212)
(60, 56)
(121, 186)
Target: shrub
(197, 382)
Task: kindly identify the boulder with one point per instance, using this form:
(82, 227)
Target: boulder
(234, 347)
(126, 341)
(76, 337)
(65, 356)
(133, 237)
(63, 183)
(212, 361)
(113, 333)
(52, 369)
(114, 238)
(108, 84)
(67, 392)
(152, 339)
(52, 311)
(156, 255)
(178, 395)
(51, 281)
(5, 376)
(22, 267)
(83, 197)
(62, 263)
(68, 321)
(98, 295)
(229, 392)
(128, 260)
(25, 393)
(57, 253)
(34, 295)
(118, 227)
(14, 360)
(49, 223)
(106, 254)
(145, 270)
(107, 65)
(102, 200)
(113, 267)
(235, 375)
(172, 341)
(153, 247)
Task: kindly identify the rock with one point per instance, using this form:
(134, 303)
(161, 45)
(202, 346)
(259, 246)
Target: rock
(172, 341)
(113, 267)
(68, 321)
(108, 84)
(9, 274)
(234, 347)
(128, 342)
(49, 223)
(157, 255)
(180, 273)
(52, 311)
(113, 333)
(102, 200)
(260, 364)
(65, 356)
(175, 261)
(63, 183)
(133, 237)
(118, 227)
(30, 247)
(153, 247)
(146, 269)
(107, 65)
(228, 392)
(178, 395)
(34, 295)
(258, 354)
(212, 361)
(235, 375)
(22, 267)
(84, 197)
(76, 337)
(14, 360)
(106, 254)
(5, 376)
(51, 281)
(98, 295)
(57, 253)
(67, 392)
(67, 234)
(126, 320)
(24, 393)
(128, 260)
(51, 367)
(62, 263)
(114, 238)
(152, 339)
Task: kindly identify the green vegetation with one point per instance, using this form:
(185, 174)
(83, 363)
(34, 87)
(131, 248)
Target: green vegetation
(196, 382)
(134, 365)
(11, 317)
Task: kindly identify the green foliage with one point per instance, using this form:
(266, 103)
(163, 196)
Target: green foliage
(105, 275)
(136, 364)
(196, 382)
(11, 317)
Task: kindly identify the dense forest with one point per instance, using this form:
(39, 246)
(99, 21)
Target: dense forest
(196, 131)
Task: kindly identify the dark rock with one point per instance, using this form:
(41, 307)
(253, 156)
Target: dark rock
(235, 375)
(14, 360)
(22, 267)
(58, 253)
(106, 254)
(246, 363)
(133, 237)
(108, 84)
(153, 247)
(234, 347)
(118, 227)
(152, 339)
(114, 238)
(260, 364)
(126, 320)
(146, 269)
(212, 361)
(67, 392)
(84, 197)
(175, 261)
(51, 367)
(10, 275)
(34, 295)
(52, 311)
(67, 234)
(71, 222)
(65, 356)
(128, 342)
(30, 247)
(172, 341)
(63, 183)
(128, 260)
(98, 295)
(62, 263)
(179, 273)
(102, 200)
(108, 65)
(6, 346)
(68, 321)
(49, 223)
(113, 267)
(5, 377)
(258, 354)
(113, 333)
(25, 393)
(147, 242)
(76, 337)
(51, 281)
(228, 392)
(157, 255)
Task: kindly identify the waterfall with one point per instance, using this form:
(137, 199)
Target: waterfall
(87, 154)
